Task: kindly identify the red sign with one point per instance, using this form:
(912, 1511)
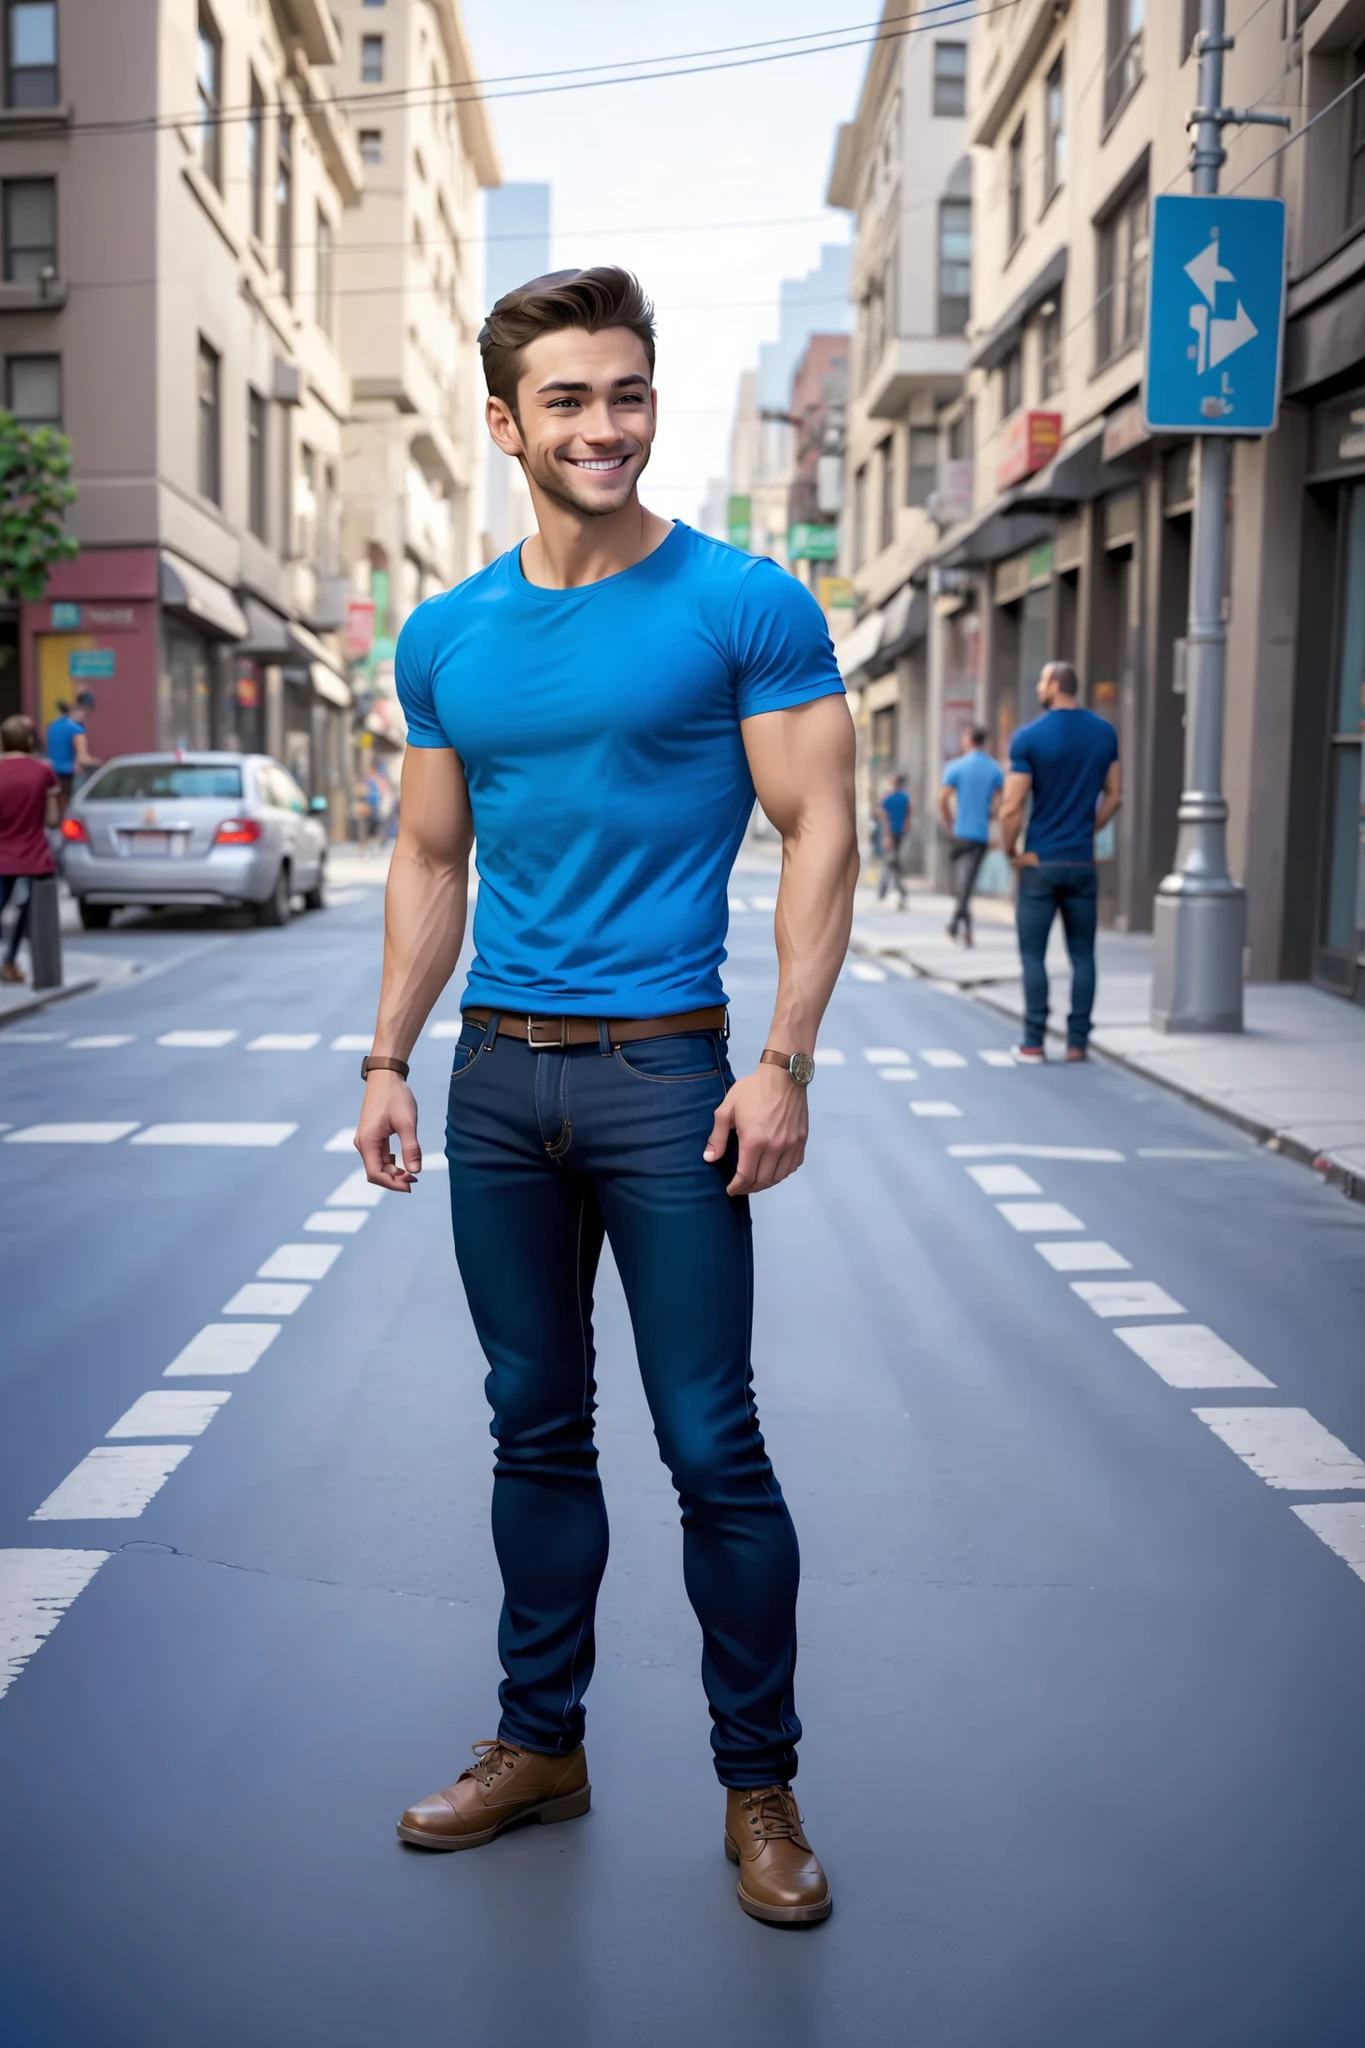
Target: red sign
(1031, 440)
(359, 625)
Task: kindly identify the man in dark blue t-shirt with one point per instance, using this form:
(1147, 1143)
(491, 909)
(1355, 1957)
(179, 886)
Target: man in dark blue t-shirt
(895, 810)
(1068, 762)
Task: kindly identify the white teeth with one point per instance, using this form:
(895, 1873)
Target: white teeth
(616, 462)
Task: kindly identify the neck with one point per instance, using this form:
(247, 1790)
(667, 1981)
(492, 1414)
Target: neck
(570, 548)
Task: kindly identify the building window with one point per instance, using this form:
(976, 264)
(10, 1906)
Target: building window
(950, 78)
(323, 280)
(33, 390)
(1189, 28)
(306, 505)
(1050, 348)
(284, 469)
(257, 461)
(1123, 54)
(954, 265)
(31, 53)
(30, 229)
(1016, 186)
(962, 434)
(372, 146)
(210, 443)
(1011, 382)
(860, 517)
(209, 96)
(1054, 139)
(921, 473)
(1122, 275)
(372, 60)
(886, 525)
(255, 158)
(284, 203)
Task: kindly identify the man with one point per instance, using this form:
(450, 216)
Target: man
(29, 800)
(597, 709)
(68, 749)
(1068, 762)
(968, 799)
(895, 810)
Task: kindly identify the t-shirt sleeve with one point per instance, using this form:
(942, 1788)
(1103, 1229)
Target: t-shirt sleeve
(1021, 752)
(412, 675)
(952, 773)
(781, 651)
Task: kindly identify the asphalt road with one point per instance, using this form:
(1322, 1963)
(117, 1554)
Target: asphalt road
(1082, 1690)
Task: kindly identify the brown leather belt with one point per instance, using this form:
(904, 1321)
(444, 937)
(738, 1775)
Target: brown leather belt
(552, 1034)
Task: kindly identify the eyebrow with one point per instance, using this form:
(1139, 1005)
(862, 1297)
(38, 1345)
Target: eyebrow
(569, 384)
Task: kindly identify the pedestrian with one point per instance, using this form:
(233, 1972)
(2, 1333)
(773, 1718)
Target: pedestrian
(1068, 762)
(895, 814)
(68, 748)
(596, 710)
(30, 798)
(968, 799)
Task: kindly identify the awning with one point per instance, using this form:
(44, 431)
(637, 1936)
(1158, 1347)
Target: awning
(329, 686)
(905, 620)
(991, 352)
(1073, 477)
(187, 589)
(272, 637)
(1002, 531)
(856, 649)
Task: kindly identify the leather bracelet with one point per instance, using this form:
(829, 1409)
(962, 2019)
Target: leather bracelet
(372, 1065)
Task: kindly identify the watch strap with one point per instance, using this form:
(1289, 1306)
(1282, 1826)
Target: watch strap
(371, 1064)
(788, 1061)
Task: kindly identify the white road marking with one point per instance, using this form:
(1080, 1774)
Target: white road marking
(1340, 1524)
(764, 902)
(1003, 1180)
(353, 1041)
(337, 897)
(355, 1192)
(885, 1056)
(1190, 1355)
(6, 1127)
(285, 1041)
(206, 1040)
(934, 1109)
(114, 1482)
(223, 1348)
(342, 1140)
(1111, 1298)
(826, 1056)
(215, 1134)
(343, 1221)
(738, 903)
(1092, 1256)
(447, 1027)
(863, 970)
(266, 1298)
(1287, 1447)
(100, 1042)
(32, 1037)
(69, 1134)
(1184, 1152)
(1039, 1216)
(300, 1262)
(1098, 1154)
(898, 1073)
(36, 1588)
(170, 1411)
(942, 1056)
(997, 1056)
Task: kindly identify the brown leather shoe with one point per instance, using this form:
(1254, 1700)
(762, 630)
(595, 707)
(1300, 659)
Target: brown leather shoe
(505, 1786)
(780, 1878)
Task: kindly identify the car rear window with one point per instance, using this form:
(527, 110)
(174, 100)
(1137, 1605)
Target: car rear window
(141, 781)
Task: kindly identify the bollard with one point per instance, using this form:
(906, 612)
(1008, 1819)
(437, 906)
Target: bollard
(45, 931)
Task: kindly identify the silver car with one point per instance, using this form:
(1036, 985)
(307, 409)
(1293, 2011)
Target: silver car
(190, 830)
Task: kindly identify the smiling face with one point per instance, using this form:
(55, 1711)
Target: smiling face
(585, 416)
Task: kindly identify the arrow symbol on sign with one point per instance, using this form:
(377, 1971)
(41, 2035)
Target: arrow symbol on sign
(1225, 336)
(1207, 272)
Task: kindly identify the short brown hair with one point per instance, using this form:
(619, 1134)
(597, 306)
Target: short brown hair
(17, 735)
(592, 299)
(1064, 676)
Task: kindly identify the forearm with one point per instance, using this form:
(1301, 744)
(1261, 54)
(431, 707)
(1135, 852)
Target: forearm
(425, 906)
(814, 917)
(1011, 820)
(1108, 807)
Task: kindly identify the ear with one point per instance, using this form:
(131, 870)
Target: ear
(503, 427)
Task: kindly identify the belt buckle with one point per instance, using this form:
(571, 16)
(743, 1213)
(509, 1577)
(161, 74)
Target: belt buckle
(535, 1025)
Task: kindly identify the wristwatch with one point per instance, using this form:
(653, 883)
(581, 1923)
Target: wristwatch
(800, 1065)
(370, 1065)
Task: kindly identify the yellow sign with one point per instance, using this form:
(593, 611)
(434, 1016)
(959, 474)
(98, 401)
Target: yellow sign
(835, 594)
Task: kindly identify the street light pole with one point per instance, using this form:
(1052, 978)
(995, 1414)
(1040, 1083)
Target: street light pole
(1200, 920)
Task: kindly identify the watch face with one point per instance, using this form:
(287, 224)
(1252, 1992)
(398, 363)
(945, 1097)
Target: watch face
(801, 1067)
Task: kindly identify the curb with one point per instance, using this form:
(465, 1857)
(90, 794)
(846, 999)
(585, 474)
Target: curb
(39, 999)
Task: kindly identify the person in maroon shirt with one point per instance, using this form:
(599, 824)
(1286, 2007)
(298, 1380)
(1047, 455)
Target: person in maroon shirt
(30, 797)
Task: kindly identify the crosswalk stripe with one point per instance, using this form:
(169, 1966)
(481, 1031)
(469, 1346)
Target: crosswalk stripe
(996, 1056)
(36, 1589)
(942, 1056)
(345, 1222)
(223, 1348)
(284, 1041)
(204, 1040)
(1091, 1256)
(1190, 1355)
(267, 1298)
(300, 1262)
(215, 1134)
(1039, 1216)
(69, 1134)
(114, 1482)
(1003, 1180)
(1287, 1447)
(1112, 1298)
(934, 1109)
(1339, 1523)
(170, 1411)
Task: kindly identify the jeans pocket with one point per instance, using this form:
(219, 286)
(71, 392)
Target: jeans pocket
(682, 1056)
(468, 1051)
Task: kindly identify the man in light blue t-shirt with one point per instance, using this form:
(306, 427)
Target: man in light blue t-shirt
(967, 801)
(596, 710)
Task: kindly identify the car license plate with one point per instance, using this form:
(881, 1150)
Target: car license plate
(151, 842)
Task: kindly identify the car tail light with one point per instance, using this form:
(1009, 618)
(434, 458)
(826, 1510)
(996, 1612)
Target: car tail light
(237, 832)
(73, 829)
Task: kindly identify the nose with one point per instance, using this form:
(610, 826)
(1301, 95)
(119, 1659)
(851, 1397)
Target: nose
(601, 426)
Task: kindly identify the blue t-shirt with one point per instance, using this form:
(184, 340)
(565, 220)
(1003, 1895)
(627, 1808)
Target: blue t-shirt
(976, 778)
(599, 729)
(61, 744)
(1068, 754)
(895, 805)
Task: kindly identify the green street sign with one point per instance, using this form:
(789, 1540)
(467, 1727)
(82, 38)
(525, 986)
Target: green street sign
(809, 542)
(739, 521)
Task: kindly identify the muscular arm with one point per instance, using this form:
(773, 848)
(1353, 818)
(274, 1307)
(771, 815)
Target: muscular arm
(1017, 787)
(947, 805)
(424, 917)
(802, 764)
(1111, 798)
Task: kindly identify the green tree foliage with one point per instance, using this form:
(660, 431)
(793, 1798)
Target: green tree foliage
(35, 468)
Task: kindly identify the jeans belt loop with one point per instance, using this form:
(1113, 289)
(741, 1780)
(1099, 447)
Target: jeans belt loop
(603, 1038)
(490, 1036)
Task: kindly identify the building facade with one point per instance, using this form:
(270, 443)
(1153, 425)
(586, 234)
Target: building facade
(516, 249)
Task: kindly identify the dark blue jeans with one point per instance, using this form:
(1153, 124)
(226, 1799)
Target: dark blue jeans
(548, 1152)
(1071, 888)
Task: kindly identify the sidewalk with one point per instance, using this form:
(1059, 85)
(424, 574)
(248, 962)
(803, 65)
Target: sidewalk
(1294, 1079)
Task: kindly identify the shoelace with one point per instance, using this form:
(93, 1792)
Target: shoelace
(777, 1813)
(489, 1761)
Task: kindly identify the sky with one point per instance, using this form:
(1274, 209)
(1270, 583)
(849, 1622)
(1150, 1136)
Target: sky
(710, 188)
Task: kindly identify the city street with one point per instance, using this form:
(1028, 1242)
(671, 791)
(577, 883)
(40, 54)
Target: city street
(1062, 1378)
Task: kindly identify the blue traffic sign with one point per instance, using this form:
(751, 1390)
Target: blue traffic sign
(1215, 315)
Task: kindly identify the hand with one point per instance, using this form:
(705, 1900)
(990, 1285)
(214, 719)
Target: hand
(389, 1111)
(1023, 860)
(769, 1116)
